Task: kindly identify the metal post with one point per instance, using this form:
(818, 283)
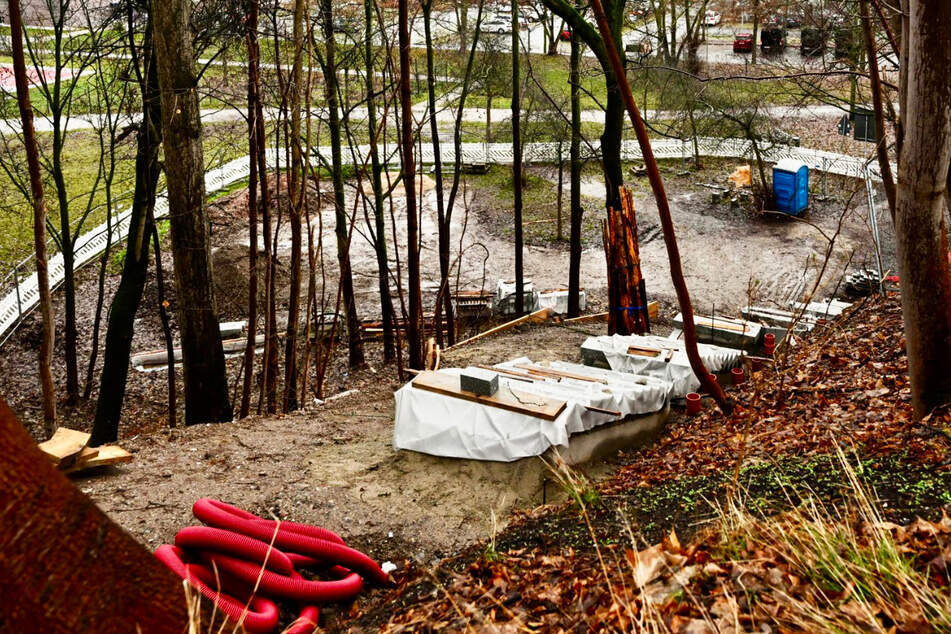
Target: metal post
(873, 220)
(16, 279)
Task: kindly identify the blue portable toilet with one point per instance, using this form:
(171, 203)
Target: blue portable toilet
(791, 186)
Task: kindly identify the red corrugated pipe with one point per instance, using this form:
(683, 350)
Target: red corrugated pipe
(243, 563)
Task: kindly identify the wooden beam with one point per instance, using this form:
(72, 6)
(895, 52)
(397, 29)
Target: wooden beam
(538, 317)
(519, 402)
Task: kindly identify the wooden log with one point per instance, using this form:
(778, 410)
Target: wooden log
(538, 317)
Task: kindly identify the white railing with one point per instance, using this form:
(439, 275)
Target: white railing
(25, 295)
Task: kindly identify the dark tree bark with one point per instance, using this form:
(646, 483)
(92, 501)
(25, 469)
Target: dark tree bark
(614, 107)
(39, 216)
(254, 89)
(415, 317)
(663, 209)
(881, 140)
(296, 195)
(342, 224)
(125, 303)
(92, 576)
(517, 161)
(443, 219)
(206, 386)
(577, 213)
(379, 213)
(919, 211)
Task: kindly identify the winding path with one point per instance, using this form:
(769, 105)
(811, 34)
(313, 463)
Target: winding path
(24, 297)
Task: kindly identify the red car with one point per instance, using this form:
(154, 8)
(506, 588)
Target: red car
(565, 35)
(743, 43)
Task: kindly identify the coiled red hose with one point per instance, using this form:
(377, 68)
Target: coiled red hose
(243, 554)
(260, 615)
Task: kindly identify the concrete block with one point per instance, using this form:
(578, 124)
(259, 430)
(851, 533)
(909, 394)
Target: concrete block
(479, 381)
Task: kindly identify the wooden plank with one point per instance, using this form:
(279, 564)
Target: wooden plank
(538, 317)
(107, 455)
(510, 373)
(519, 402)
(537, 369)
(584, 319)
(65, 446)
(653, 311)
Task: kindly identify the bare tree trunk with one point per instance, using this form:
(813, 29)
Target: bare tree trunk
(354, 341)
(919, 212)
(125, 303)
(39, 216)
(44, 513)
(663, 208)
(753, 53)
(166, 325)
(254, 88)
(415, 317)
(206, 386)
(443, 220)
(881, 140)
(388, 313)
(517, 161)
(296, 195)
(577, 213)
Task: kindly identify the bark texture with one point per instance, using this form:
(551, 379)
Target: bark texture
(39, 216)
(66, 567)
(919, 220)
(206, 388)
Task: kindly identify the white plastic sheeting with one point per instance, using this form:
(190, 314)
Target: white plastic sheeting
(446, 426)
(558, 301)
(677, 371)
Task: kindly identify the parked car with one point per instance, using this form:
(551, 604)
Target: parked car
(743, 43)
(497, 24)
(712, 18)
(772, 39)
(793, 21)
(565, 35)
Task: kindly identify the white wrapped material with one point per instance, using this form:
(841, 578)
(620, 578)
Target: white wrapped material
(558, 301)
(676, 371)
(441, 425)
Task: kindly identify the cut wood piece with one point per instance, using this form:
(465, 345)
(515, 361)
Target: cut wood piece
(510, 373)
(663, 353)
(538, 317)
(542, 370)
(107, 455)
(506, 398)
(584, 319)
(65, 445)
(653, 311)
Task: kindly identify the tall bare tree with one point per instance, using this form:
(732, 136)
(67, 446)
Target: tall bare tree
(125, 303)
(342, 222)
(517, 160)
(920, 227)
(415, 317)
(206, 386)
(39, 215)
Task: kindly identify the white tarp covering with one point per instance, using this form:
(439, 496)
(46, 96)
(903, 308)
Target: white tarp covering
(558, 301)
(677, 371)
(446, 426)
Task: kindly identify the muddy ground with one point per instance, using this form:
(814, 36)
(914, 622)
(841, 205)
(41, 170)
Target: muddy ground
(334, 465)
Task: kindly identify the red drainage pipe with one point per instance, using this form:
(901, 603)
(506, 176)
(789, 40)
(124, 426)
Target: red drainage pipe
(243, 554)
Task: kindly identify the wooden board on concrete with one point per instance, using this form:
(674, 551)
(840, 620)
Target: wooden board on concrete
(65, 446)
(106, 455)
(521, 403)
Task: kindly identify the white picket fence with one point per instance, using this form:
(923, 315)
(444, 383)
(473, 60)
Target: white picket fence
(24, 297)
